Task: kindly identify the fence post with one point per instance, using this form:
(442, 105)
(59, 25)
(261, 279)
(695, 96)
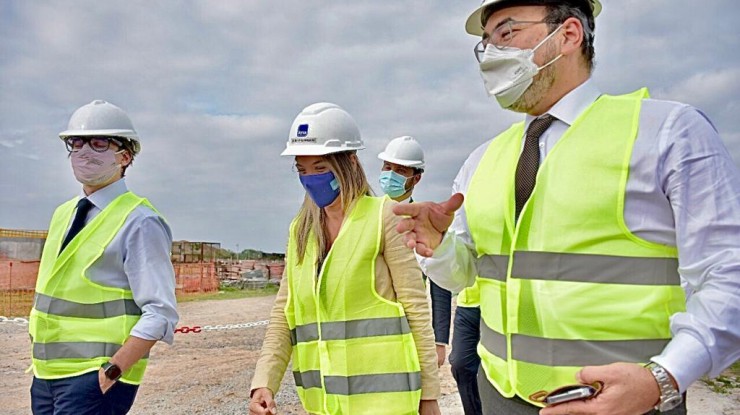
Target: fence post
(200, 285)
(10, 288)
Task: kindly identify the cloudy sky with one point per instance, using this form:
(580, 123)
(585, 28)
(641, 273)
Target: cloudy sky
(213, 86)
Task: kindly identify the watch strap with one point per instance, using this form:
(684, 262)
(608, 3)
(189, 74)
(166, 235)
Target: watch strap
(669, 394)
(112, 371)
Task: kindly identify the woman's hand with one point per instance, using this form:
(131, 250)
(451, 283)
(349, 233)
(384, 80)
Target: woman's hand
(429, 407)
(261, 402)
(441, 354)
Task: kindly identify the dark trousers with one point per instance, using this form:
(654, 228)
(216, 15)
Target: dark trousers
(80, 395)
(495, 404)
(464, 357)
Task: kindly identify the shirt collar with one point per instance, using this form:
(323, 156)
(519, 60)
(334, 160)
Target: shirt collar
(103, 197)
(572, 104)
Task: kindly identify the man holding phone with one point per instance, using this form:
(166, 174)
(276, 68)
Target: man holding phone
(575, 223)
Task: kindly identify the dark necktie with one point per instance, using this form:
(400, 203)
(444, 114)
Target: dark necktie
(83, 207)
(529, 161)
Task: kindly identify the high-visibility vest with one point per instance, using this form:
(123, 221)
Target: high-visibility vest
(77, 324)
(353, 351)
(568, 285)
(469, 297)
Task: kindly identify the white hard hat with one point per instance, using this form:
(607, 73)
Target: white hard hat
(474, 25)
(320, 129)
(405, 151)
(101, 118)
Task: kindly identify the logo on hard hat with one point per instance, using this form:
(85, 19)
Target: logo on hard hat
(302, 130)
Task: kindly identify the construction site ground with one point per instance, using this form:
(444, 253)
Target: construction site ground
(210, 372)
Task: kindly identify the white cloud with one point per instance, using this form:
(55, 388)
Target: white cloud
(212, 88)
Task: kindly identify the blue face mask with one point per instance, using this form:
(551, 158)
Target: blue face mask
(323, 188)
(392, 183)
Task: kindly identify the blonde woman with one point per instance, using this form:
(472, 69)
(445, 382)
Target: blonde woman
(351, 313)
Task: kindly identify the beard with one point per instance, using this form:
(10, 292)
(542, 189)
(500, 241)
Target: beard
(541, 84)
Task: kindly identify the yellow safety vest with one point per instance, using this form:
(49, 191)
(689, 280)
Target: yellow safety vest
(469, 297)
(568, 285)
(76, 324)
(353, 351)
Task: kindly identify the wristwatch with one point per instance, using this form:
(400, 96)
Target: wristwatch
(111, 370)
(669, 395)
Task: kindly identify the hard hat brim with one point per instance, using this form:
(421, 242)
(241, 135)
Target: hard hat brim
(313, 150)
(408, 163)
(112, 133)
(474, 26)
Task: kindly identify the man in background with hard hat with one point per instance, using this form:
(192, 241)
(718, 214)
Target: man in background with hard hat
(105, 292)
(575, 223)
(403, 165)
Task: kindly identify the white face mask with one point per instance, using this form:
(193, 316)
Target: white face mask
(508, 72)
(93, 168)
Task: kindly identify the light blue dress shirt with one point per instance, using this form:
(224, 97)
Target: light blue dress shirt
(683, 190)
(138, 259)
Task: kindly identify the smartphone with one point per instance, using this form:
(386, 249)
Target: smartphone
(578, 392)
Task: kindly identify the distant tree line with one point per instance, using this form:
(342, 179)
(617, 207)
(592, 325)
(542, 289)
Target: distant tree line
(224, 253)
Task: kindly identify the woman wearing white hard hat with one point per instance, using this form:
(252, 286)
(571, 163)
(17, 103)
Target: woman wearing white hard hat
(352, 315)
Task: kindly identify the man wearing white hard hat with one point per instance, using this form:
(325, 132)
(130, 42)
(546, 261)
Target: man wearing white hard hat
(105, 292)
(403, 165)
(351, 315)
(575, 223)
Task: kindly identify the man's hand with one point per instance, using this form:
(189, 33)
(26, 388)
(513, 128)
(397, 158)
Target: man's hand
(441, 352)
(261, 402)
(429, 407)
(105, 383)
(629, 389)
(426, 222)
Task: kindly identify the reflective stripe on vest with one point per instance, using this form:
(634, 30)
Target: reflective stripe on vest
(71, 350)
(351, 347)
(596, 268)
(355, 385)
(342, 330)
(568, 285)
(493, 267)
(77, 324)
(59, 307)
(558, 352)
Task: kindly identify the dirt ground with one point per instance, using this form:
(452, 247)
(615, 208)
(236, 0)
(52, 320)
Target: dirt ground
(209, 372)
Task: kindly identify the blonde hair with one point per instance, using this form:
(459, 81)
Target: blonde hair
(311, 220)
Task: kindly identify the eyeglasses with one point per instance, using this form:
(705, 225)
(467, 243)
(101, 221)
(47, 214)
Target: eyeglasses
(501, 37)
(99, 144)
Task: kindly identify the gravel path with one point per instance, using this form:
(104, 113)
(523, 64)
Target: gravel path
(209, 372)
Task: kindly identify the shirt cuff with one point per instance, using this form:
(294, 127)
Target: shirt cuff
(154, 327)
(684, 371)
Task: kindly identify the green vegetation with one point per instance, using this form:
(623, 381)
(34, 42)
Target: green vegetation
(223, 253)
(228, 293)
(728, 382)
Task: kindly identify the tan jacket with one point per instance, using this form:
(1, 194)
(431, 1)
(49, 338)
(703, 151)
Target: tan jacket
(397, 278)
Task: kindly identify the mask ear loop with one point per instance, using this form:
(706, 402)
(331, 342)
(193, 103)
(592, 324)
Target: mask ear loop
(542, 42)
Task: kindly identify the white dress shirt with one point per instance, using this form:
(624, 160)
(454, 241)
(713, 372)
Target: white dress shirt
(138, 259)
(683, 190)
